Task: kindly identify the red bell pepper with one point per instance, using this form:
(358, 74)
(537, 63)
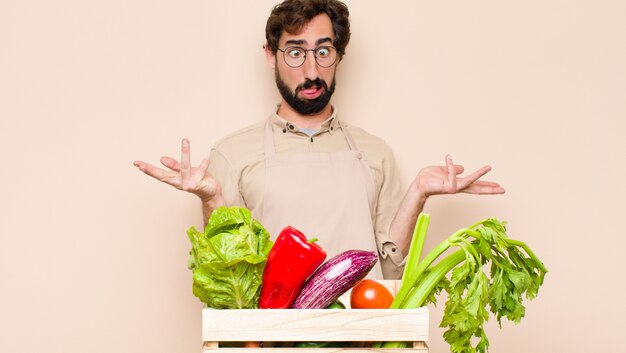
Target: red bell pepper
(290, 262)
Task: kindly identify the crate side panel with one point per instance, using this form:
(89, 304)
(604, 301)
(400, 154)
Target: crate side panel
(315, 325)
(419, 349)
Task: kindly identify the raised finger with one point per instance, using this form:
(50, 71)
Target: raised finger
(153, 171)
(171, 163)
(484, 189)
(486, 183)
(185, 159)
(451, 172)
(468, 180)
(204, 165)
(200, 171)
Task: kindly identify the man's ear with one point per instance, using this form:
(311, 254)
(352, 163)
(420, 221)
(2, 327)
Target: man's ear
(270, 57)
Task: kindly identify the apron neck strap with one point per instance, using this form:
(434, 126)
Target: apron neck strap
(348, 136)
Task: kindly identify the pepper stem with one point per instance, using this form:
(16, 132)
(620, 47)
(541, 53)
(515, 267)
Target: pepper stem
(312, 240)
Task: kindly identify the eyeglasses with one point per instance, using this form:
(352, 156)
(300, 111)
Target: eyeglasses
(325, 56)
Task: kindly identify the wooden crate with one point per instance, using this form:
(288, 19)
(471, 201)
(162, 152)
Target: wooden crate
(303, 325)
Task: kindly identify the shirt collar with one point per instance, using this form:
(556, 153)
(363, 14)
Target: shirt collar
(330, 125)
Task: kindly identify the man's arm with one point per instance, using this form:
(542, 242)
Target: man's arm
(209, 206)
(195, 180)
(435, 180)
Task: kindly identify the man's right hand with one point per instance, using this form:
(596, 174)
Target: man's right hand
(196, 180)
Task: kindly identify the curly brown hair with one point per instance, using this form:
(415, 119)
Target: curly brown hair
(292, 15)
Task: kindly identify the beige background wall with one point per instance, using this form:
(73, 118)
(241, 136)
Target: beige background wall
(93, 253)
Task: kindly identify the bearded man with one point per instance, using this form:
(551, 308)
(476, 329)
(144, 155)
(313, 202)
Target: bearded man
(305, 167)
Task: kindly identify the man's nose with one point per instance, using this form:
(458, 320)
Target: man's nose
(310, 66)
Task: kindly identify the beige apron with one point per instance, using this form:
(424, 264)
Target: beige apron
(326, 195)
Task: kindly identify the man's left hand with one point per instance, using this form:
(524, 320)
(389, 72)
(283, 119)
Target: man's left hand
(437, 180)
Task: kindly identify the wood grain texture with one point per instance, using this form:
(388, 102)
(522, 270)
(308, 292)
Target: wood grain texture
(423, 349)
(315, 325)
(336, 325)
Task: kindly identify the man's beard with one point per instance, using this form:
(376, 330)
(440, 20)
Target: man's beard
(305, 106)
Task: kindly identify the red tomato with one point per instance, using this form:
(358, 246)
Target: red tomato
(369, 294)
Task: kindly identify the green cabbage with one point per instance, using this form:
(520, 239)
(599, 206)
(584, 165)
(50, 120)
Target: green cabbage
(228, 259)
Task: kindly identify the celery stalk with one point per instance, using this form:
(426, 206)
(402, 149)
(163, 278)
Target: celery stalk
(415, 253)
(515, 270)
(529, 252)
(409, 281)
(434, 276)
(418, 240)
(426, 286)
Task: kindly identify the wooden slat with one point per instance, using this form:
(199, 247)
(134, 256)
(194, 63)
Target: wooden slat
(210, 345)
(421, 349)
(273, 325)
(420, 345)
(291, 325)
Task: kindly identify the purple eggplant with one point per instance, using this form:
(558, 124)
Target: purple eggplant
(335, 277)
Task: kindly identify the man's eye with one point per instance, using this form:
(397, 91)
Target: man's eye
(295, 53)
(323, 52)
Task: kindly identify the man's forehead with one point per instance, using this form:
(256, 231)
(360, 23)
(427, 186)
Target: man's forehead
(319, 30)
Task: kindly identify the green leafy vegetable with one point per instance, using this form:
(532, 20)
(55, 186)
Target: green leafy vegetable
(228, 259)
(514, 272)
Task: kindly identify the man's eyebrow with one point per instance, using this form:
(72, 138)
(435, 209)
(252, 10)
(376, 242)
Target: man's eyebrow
(323, 40)
(302, 41)
(295, 42)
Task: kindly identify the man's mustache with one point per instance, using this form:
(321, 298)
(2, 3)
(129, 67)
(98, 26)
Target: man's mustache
(318, 82)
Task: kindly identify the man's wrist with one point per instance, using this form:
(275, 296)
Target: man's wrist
(208, 206)
(419, 196)
(212, 203)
